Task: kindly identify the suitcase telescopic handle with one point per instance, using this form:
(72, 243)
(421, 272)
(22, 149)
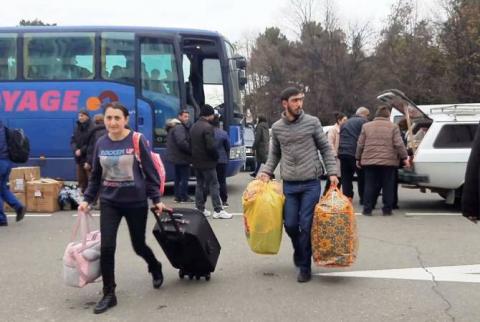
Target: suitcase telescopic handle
(169, 212)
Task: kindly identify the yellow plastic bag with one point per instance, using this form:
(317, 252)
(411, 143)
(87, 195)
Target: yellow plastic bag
(334, 231)
(263, 216)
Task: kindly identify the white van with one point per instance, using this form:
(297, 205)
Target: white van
(441, 151)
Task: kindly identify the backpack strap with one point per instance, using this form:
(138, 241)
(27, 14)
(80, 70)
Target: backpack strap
(136, 146)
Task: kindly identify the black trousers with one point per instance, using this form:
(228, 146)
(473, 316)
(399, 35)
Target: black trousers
(348, 168)
(222, 181)
(376, 178)
(109, 222)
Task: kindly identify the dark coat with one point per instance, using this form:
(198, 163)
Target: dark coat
(80, 138)
(261, 142)
(178, 144)
(222, 142)
(471, 187)
(96, 133)
(349, 133)
(204, 152)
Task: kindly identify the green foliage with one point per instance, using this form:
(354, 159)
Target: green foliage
(34, 22)
(432, 63)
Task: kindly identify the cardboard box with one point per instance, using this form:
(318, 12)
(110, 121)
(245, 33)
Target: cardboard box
(42, 195)
(19, 176)
(20, 196)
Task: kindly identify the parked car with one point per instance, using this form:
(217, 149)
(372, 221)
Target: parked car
(249, 138)
(440, 137)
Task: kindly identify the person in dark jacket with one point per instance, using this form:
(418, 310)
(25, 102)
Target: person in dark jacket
(123, 185)
(349, 133)
(471, 187)
(97, 132)
(5, 194)
(223, 148)
(79, 144)
(204, 160)
(179, 153)
(261, 143)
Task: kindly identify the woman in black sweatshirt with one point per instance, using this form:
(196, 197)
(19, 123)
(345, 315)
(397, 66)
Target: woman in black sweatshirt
(123, 187)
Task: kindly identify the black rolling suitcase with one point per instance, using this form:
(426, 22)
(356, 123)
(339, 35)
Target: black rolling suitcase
(188, 241)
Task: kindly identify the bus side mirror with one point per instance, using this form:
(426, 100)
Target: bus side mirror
(242, 79)
(241, 62)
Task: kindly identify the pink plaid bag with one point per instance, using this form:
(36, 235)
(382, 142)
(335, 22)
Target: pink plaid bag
(81, 260)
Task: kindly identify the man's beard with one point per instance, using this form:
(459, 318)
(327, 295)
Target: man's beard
(293, 113)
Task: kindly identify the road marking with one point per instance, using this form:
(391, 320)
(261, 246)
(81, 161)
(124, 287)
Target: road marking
(460, 274)
(241, 214)
(93, 215)
(33, 215)
(414, 214)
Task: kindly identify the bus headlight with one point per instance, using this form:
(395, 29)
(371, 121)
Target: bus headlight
(237, 152)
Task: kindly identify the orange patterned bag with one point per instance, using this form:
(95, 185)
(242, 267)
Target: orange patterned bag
(334, 231)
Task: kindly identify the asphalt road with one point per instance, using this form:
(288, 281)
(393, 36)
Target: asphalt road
(424, 233)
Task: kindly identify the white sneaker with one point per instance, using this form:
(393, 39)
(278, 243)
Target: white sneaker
(206, 213)
(222, 214)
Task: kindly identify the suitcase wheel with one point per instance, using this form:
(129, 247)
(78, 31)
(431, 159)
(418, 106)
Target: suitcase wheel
(181, 274)
(197, 277)
(207, 277)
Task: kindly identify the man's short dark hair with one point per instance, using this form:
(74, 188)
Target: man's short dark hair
(289, 92)
(382, 111)
(183, 112)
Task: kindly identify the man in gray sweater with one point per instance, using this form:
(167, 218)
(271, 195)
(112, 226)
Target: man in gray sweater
(296, 139)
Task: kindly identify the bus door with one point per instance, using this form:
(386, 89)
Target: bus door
(158, 87)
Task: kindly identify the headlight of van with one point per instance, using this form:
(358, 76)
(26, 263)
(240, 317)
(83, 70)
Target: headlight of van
(237, 152)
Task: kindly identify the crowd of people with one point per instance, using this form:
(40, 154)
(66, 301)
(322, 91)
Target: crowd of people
(108, 169)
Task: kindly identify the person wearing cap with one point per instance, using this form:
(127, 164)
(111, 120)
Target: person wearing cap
(204, 161)
(79, 145)
(296, 139)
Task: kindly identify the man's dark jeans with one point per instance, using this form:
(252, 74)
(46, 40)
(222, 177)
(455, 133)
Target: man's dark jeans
(207, 181)
(376, 178)
(300, 200)
(182, 173)
(222, 181)
(348, 168)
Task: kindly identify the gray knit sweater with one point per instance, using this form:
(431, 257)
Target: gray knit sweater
(295, 145)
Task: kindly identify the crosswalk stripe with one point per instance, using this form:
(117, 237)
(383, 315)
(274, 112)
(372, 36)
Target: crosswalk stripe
(414, 214)
(33, 215)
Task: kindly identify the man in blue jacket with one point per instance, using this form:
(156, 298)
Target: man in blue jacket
(349, 133)
(5, 194)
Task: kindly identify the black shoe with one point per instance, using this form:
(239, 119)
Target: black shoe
(366, 213)
(396, 207)
(108, 300)
(157, 276)
(253, 175)
(387, 213)
(21, 213)
(187, 200)
(304, 277)
(4, 223)
(177, 200)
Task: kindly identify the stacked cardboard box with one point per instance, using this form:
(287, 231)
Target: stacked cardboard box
(18, 182)
(42, 195)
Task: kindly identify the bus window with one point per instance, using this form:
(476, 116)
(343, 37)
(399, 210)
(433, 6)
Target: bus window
(212, 82)
(159, 75)
(8, 56)
(59, 56)
(237, 105)
(118, 49)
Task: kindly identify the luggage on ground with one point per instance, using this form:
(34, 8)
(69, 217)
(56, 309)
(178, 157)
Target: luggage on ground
(188, 241)
(81, 260)
(263, 216)
(334, 231)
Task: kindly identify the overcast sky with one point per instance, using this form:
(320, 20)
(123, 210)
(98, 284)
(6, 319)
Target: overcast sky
(233, 18)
